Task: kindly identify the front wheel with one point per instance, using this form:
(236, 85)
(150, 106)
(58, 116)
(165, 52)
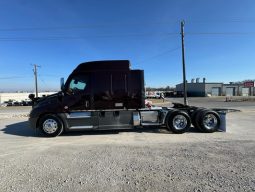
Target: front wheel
(178, 121)
(51, 125)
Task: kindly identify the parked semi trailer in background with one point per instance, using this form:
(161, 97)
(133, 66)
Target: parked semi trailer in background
(102, 95)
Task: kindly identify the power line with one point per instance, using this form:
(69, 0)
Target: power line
(13, 77)
(222, 21)
(82, 37)
(50, 38)
(48, 75)
(42, 80)
(85, 26)
(106, 25)
(220, 33)
(160, 54)
(23, 77)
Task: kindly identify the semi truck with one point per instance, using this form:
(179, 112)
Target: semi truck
(102, 95)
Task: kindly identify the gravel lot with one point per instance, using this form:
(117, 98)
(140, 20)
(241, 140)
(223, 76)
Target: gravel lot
(137, 160)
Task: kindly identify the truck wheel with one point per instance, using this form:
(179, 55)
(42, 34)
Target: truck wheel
(194, 117)
(208, 121)
(178, 122)
(51, 125)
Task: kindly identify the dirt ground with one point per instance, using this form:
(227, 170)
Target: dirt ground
(135, 160)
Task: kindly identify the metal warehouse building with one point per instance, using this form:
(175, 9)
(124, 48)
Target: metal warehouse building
(202, 89)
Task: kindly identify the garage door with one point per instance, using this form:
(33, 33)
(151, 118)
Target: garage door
(215, 91)
(230, 91)
(245, 91)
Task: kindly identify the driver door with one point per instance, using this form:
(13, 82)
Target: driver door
(78, 100)
(79, 93)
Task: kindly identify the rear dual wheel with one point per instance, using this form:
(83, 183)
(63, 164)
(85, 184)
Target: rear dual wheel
(207, 121)
(194, 115)
(178, 121)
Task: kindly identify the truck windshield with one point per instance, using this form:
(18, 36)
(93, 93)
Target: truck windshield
(78, 83)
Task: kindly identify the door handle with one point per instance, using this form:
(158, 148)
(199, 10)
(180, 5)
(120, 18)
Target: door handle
(86, 103)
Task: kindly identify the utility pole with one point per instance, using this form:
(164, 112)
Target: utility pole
(183, 65)
(35, 75)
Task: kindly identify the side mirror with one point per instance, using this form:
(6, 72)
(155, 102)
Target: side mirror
(62, 84)
(31, 96)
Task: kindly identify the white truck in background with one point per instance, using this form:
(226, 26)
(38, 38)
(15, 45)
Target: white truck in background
(154, 95)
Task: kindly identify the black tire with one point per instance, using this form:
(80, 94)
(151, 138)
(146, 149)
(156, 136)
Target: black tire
(194, 117)
(172, 123)
(51, 125)
(208, 121)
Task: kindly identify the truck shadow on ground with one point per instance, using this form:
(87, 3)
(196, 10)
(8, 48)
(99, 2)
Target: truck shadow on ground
(23, 129)
(19, 129)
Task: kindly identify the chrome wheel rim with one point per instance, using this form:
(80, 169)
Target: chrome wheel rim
(50, 126)
(210, 121)
(180, 122)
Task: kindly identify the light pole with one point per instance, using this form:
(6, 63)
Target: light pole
(183, 65)
(35, 74)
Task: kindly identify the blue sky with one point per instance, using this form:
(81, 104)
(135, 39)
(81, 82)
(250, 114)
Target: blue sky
(60, 34)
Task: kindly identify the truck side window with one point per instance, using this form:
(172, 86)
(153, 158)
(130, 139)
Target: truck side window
(78, 83)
